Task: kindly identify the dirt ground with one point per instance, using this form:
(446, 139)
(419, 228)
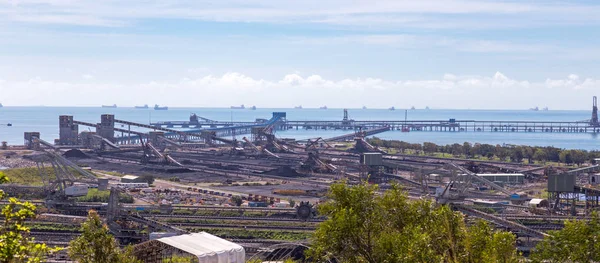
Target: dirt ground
(267, 190)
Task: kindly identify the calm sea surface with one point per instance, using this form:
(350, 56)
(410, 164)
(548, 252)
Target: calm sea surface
(45, 120)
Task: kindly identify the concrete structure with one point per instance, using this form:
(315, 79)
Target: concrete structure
(594, 179)
(106, 128)
(30, 142)
(87, 139)
(561, 182)
(102, 184)
(68, 131)
(371, 159)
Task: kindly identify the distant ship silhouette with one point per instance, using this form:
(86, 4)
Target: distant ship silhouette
(109, 106)
(157, 107)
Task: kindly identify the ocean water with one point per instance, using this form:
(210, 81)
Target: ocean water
(45, 120)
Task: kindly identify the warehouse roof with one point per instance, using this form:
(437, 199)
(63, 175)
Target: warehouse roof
(207, 248)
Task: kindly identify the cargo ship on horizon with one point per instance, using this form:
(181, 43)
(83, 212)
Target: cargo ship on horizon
(109, 106)
(157, 107)
(142, 107)
(241, 107)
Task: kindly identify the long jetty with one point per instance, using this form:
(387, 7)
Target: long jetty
(451, 125)
(199, 129)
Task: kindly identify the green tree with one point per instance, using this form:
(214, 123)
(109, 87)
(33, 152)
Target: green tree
(501, 153)
(577, 242)
(540, 155)
(578, 156)
(457, 149)
(96, 244)
(237, 200)
(565, 157)
(429, 147)
(468, 149)
(487, 245)
(15, 244)
(364, 226)
(149, 179)
(516, 154)
(528, 152)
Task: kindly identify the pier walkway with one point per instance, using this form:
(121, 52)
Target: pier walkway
(450, 125)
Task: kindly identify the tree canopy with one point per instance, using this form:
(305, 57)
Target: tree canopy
(516, 153)
(365, 226)
(577, 242)
(15, 244)
(96, 244)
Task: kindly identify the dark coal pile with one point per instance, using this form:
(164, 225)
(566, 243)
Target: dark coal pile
(285, 170)
(75, 153)
(187, 162)
(224, 167)
(167, 170)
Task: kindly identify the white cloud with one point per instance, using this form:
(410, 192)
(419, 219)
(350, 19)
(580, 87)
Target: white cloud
(450, 91)
(87, 76)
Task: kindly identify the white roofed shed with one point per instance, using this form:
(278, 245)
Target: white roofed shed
(204, 246)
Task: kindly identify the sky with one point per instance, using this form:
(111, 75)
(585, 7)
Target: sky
(450, 54)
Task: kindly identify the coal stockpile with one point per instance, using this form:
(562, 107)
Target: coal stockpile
(167, 170)
(285, 170)
(224, 167)
(75, 153)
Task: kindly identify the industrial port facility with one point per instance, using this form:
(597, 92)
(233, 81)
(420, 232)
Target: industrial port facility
(202, 165)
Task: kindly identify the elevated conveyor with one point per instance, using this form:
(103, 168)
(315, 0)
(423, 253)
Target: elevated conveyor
(351, 136)
(499, 221)
(155, 151)
(146, 126)
(481, 179)
(47, 144)
(259, 150)
(156, 225)
(107, 142)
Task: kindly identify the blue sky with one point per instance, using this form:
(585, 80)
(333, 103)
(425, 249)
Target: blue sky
(437, 53)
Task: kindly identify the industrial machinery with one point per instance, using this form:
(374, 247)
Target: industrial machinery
(305, 210)
(65, 180)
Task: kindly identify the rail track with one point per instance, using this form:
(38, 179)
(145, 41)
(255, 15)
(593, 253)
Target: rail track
(257, 227)
(239, 218)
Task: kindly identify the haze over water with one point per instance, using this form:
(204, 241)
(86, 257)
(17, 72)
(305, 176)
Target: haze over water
(45, 120)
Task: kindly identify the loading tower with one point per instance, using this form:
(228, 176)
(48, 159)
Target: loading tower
(594, 120)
